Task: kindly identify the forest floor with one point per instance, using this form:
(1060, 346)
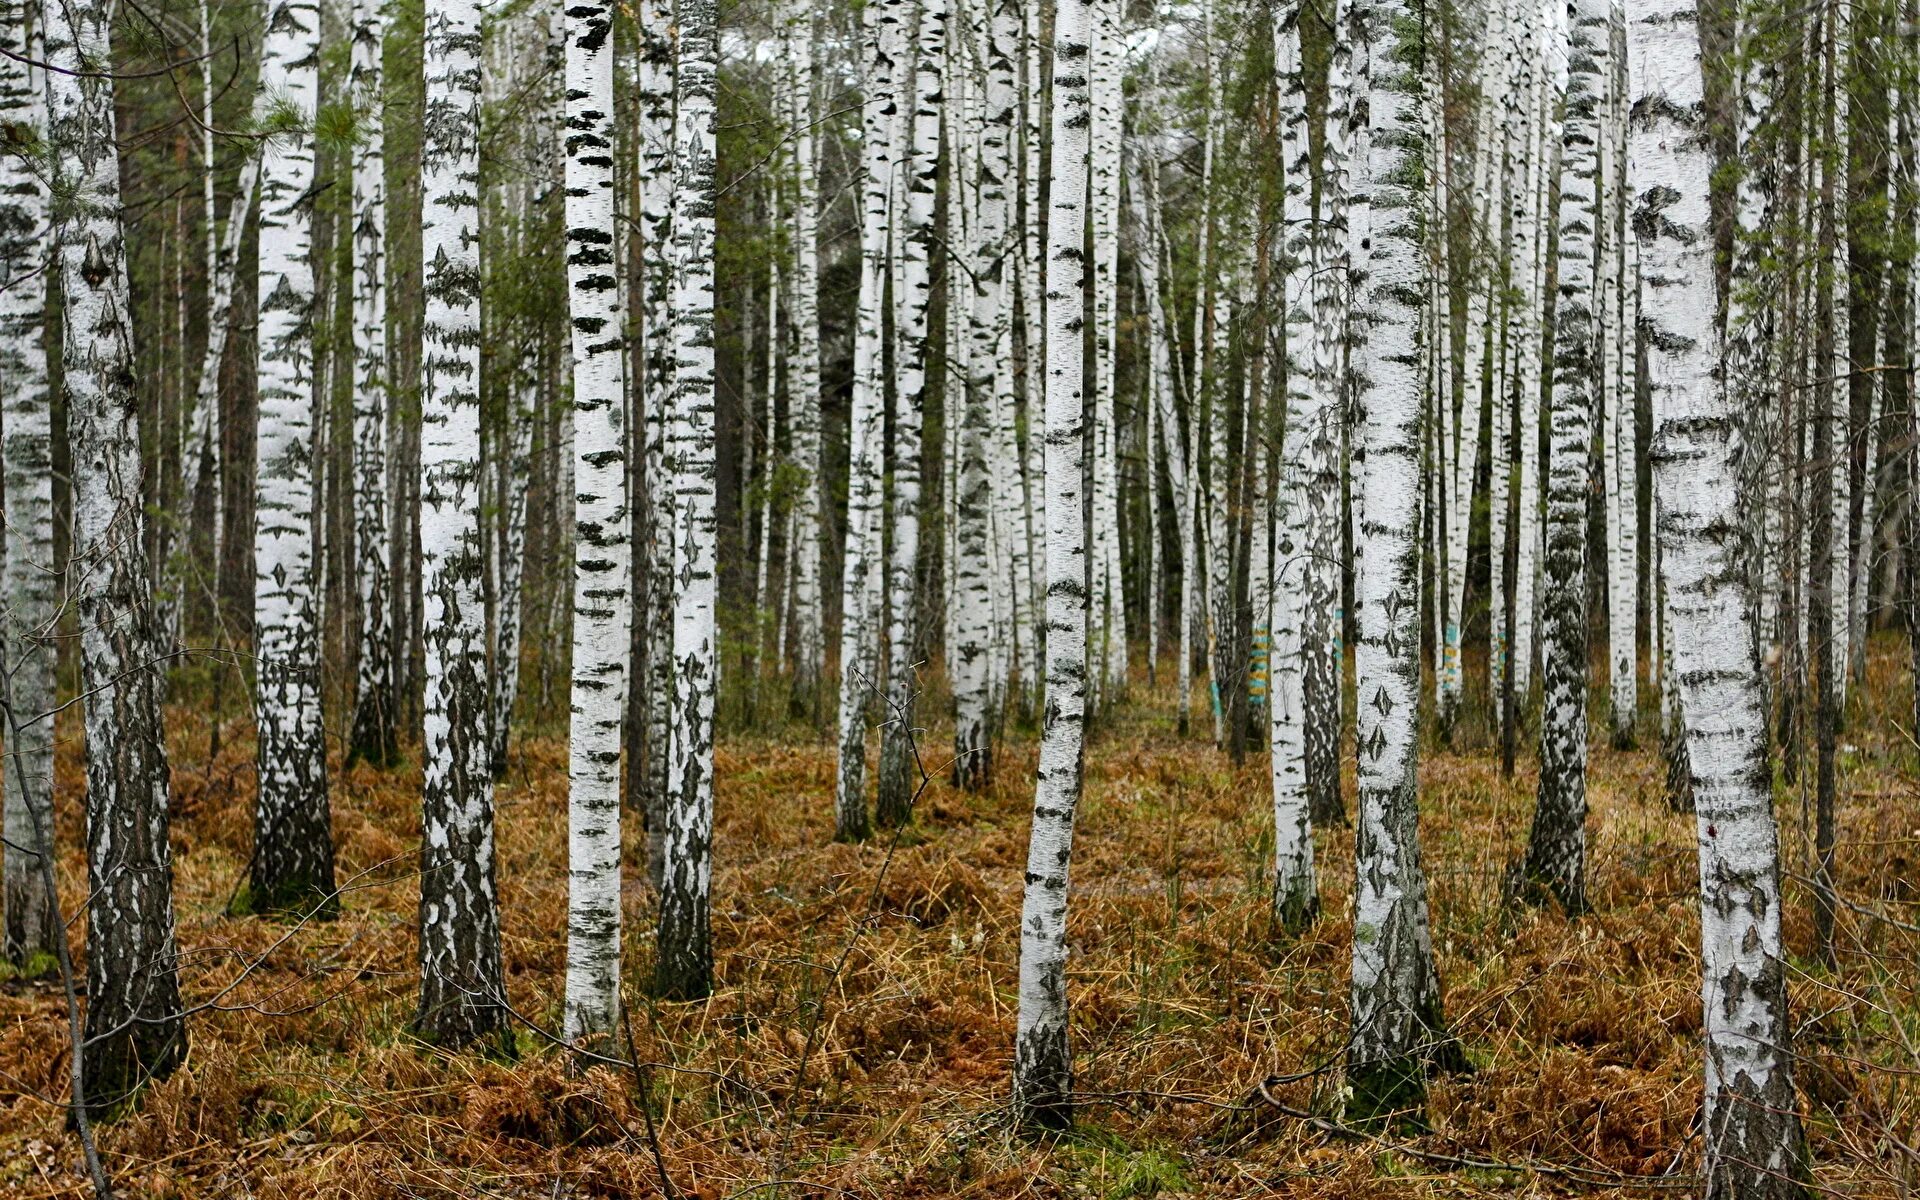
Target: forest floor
(860, 1038)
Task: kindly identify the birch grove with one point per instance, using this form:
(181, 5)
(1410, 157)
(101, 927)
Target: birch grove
(817, 447)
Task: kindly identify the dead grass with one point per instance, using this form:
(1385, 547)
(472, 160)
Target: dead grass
(1584, 1036)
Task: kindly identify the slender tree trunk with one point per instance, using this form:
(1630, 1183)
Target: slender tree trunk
(461, 979)
(921, 168)
(373, 721)
(33, 580)
(1557, 849)
(859, 654)
(655, 100)
(1752, 1137)
(1295, 895)
(684, 968)
(1043, 1064)
(974, 688)
(1332, 301)
(1395, 999)
(292, 862)
(135, 1031)
(803, 395)
(601, 570)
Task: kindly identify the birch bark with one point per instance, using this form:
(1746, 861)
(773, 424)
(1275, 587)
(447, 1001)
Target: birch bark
(373, 736)
(1395, 997)
(921, 168)
(1557, 848)
(1753, 1142)
(1043, 1063)
(32, 582)
(1295, 895)
(292, 862)
(859, 653)
(601, 570)
(461, 977)
(684, 968)
(135, 1029)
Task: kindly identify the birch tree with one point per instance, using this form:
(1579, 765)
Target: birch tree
(920, 170)
(859, 652)
(1295, 895)
(601, 571)
(1043, 1063)
(1332, 300)
(684, 967)
(32, 582)
(135, 1028)
(461, 981)
(655, 101)
(1753, 1145)
(809, 654)
(989, 382)
(292, 825)
(373, 735)
(1557, 848)
(1395, 1001)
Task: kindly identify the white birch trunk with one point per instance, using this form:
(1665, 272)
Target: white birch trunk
(920, 170)
(859, 651)
(1752, 1138)
(988, 392)
(684, 968)
(32, 583)
(1395, 998)
(602, 635)
(1043, 1063)
(374, 730)
(460, 960)
(1331, 299)
(1618, 460)
(1107, 600)
(1556, 860)
(135, 1028)
(803, 395)
(293, 839)
(654, 100)
(1295, 894)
